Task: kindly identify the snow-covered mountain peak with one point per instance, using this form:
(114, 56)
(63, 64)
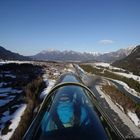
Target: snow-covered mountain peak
(49, 51)
(94, 53)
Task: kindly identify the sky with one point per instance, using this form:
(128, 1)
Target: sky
(30, 26)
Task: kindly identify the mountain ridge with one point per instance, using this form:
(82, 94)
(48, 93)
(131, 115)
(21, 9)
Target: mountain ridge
(67, 55)
(9, 55)
(81, 56)
(130, 62)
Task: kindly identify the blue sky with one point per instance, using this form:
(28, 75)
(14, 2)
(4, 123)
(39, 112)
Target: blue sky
(30, 26)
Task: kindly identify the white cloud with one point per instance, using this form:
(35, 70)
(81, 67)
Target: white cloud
(106, 42)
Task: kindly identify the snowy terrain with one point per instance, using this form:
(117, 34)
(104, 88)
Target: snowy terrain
(13, 118)
(121, 114)
(130, 75)
(122, 73)
(7, 95)
(107, 65)
(134, 118)
(12, 103)
(127, 88)
(102, 64)
(49, 83)
(17, 62)
(8, 102)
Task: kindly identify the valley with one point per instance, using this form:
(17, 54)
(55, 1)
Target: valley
(25, 84)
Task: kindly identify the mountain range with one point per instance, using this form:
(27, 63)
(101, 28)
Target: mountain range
(56, 55)
(131, 62)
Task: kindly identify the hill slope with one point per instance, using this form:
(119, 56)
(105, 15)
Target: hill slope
(116, 55)
(131, 62)
(8, 55)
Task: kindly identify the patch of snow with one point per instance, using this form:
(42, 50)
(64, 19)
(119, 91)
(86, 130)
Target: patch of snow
(81, 70)
(108, 82)
(102, 64)
(127, 88)
(56, 73)
(115, 68)
(107, 65)
(134, 118)
(5, 101)
(6, 72)
(94, 53)
(2, 83)
(103, 71)
(15, 106)
(135, 77)
(15, 119)
(70, 70)
(10, 75)
(16, 91)
(50, 84)
(5, 90)
(97, 67)
(45, 77)
(120, 106)
(9, 90)
(17, 62)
